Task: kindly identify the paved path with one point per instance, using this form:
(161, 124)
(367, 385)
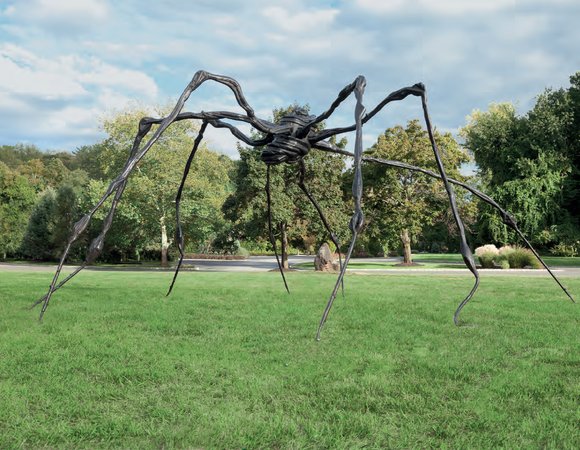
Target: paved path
(267, 263)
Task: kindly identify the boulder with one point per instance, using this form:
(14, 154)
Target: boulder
(325, 260)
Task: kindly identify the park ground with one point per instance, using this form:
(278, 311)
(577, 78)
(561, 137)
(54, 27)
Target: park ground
(229, 360)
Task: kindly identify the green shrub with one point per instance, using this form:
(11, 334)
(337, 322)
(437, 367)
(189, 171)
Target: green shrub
(506, 257)
(563, 249)
(486, 255)
(505, 251)
(242, 251)
(522, 257)
(486, 260)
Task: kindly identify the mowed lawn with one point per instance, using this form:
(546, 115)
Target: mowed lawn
(230, 361)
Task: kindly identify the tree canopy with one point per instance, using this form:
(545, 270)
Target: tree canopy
(295, 220)
(530, 165)
(400, 203)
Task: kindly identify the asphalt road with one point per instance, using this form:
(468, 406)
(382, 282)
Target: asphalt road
(268, 263)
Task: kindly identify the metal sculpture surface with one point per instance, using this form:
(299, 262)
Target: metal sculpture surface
(287, 141)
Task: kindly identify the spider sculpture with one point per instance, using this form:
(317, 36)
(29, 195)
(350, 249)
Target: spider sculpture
(287, 141)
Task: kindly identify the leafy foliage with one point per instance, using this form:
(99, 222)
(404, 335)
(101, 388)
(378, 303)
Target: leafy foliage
(17, 198)
(295, 221)
(148, 208)
(36, 243)
(530, 165)
(400, 203)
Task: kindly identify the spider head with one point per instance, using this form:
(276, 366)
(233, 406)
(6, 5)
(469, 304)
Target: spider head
(286, 146)
(297, 117)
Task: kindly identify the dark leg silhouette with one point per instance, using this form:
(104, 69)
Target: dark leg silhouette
(506, 217)
(270, 231)
(179, 230)
(357, 219)
(333, 237)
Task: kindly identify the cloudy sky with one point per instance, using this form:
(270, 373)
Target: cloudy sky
(65, 64)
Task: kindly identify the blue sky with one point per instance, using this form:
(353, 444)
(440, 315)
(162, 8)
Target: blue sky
(66, 64)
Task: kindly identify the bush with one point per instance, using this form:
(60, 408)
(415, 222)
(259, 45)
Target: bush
(242, 251)
(486, 255)
(505, 251)
(522, 257)
(507, 257)
(568, 250)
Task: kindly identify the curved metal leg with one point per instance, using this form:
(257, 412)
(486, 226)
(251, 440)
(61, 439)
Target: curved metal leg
(270, 231)
(179, 230)
(357, 219)
(506, 217)
(463, 246)
(308, 194)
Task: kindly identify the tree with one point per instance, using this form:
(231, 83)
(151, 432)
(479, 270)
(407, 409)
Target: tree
(90, 159)
(148, 205)
(294, 220)
(17, 197)
(15, 155)
(529, 164)
(399, 203)
(37, 241)
(66, 212)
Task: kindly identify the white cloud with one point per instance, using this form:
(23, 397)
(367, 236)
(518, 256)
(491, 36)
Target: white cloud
(23, 73)
(101, 74)
(59, 58)
(64, 96)
(61, 16)
(443, 7)
(299, 22)
(68, 76)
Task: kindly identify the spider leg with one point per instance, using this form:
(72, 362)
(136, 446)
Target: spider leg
(463, 246)
(270, 232)
(357, 219)
(216, 123)
(308, 194)
(507, 218)
(179, 230)
(136, 155)
(397, 95)
(417, 90)
(97, 244)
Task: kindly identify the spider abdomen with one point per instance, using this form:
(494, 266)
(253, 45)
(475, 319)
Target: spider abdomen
(286, 149)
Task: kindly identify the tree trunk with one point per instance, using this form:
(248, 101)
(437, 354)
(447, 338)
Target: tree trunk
(284, 245)
(406, 240)
(165, 243)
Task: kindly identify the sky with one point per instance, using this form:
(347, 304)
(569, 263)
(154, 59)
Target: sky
(65, 65)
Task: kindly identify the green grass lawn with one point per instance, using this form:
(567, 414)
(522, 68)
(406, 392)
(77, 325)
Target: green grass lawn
(230, 361)
(442, 261)
(552, 261)
(354, 264)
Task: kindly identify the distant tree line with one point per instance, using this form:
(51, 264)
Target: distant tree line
(529, 164)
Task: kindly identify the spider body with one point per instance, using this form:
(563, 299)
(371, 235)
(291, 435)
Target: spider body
(287, 146)
(288, 141)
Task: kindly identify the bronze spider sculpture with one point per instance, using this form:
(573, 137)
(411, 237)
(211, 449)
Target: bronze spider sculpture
(287, 141)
